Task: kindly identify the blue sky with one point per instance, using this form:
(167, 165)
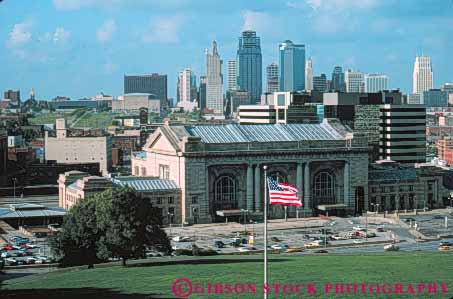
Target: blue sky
(79, 48)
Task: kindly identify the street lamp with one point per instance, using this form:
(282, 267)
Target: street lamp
(170, 215)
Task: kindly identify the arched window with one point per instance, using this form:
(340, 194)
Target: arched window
(324, 185)
(225, 193)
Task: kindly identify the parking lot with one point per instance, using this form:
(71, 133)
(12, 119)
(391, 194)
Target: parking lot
(308, 233)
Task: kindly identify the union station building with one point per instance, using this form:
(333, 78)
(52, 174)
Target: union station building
(219, 169)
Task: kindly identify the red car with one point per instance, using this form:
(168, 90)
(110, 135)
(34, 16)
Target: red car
(8, 247)
(26, 246)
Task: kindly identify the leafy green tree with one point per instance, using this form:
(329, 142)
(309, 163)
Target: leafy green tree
(129, 224)
(75, 243)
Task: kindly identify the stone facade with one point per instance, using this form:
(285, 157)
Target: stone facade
(395, 187)
(225, 173)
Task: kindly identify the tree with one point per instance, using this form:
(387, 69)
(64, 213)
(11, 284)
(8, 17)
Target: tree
(129, 224)
(75, 244)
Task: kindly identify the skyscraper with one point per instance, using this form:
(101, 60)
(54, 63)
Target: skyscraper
(309, 75)
(202, 93)
(249, 64)
(376, 82)
(355, 81)
(272, 77)
(232, 75)
(338, 83)
(320, 83)
(422, 79)
(292, 66)
(187, 86)
(214, 80)
(155, 84)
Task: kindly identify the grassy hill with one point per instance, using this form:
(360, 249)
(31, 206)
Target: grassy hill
(154, 279)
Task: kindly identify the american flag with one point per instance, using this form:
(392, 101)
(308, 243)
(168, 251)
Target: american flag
(282, 194)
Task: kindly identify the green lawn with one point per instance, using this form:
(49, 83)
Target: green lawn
(95, 120)
(49, 118)
(156, 280)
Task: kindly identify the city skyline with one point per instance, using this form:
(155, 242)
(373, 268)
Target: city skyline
(94, 56)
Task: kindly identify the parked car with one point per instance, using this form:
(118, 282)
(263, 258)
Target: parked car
(279, 246)
(219, 244)
(275, 239)
(439, 217)
(380, 229)
(11, 262)
(31, 260)
(246, 249)
(321, 251)
(6, 254)
(445, 243)
(8, 247)
(181, 239)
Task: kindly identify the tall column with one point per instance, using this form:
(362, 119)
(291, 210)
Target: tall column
(347, 198)
(299, 180)
(258, 188)
(249, 187)
(307, 186)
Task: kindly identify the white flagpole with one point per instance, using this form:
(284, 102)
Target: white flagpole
(265, 231)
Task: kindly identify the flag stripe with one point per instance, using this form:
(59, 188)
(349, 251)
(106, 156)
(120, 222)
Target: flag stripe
(282, 194)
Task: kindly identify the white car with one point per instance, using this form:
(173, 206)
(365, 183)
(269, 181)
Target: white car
(279, 246)
(315, 243)
(358, 228)
(246, 249)
(181, 239)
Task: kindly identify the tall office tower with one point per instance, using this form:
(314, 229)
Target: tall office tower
(320, 83)
(337, 82)
(309, 75)
(272, 77)
(292, 66)
(202, 93)
(402, 133)
(376, 82)
(232, 75)
(187, 86)
(249, 65)
(448, 87)
(422, 79)
(155, 84)
(214, 80)
(354, 81)
(434, 98)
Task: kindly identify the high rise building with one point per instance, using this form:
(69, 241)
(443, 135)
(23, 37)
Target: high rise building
(187, 86)
(249, 65)
(309, 75)
(434, 98)
(422, 79)
(154, 84)
(272, 77)
(337, 82)
(320, 83)
(448, 87)
(232, 75)
(402, 133)
(214, 81)
(292, 66)
(376, 82)
(202, 93)
(354, 81)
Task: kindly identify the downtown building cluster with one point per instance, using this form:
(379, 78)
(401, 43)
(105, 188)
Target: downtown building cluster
(338, 138)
